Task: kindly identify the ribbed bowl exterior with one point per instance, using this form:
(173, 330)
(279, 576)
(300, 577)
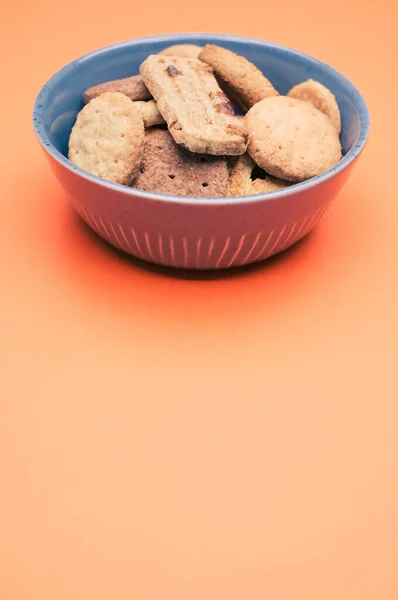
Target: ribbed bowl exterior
(198, 236)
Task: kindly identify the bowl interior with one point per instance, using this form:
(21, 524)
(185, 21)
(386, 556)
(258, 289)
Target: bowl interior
(61, 98)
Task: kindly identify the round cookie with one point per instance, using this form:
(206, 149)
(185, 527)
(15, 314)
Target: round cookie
(107, 139)
(243, 83)
(322, 98)
(168, 168)
(183, 50)
(247, 178)
(291, 139)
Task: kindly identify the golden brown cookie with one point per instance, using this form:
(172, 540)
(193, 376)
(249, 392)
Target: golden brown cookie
(149, 112)
(243, 83)
(184, 50)
(322, 98)
(133, 87)
(247, 178)
(197, 112)
(107, 139)
(291, 139)
(168, 168)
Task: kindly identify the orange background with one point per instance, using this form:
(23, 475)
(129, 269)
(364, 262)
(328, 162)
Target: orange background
(194, 437)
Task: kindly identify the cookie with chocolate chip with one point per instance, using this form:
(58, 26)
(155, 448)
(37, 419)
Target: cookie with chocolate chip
(197, 112)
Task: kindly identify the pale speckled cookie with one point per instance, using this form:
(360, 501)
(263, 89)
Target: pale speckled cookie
(149, 112)
(133, 87)
(197, 112)
(247, 178)
(242, 81)
(321, 97)
(168, 168)
(291, 139)
(184, 50)
(107, 139)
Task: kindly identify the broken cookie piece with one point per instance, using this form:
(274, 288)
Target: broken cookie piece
(149, 112)
(247, 178)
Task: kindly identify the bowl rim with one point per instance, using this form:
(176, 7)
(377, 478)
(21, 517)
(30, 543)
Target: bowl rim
(346, 160)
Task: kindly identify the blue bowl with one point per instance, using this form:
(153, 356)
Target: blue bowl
(201, 233)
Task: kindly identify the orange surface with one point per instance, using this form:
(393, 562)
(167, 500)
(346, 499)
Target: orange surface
(175, 438)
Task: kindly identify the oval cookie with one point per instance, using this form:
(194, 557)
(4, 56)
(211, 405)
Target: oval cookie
(133, 87)
(247, 178)
(169, 169)
(291, 139)
(322, 98)
(184, 50)
(107, 139)
(243, 83)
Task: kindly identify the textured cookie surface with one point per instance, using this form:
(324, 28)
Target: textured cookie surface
(133, 87)
(239, 78)
(149, 112)
(247, 178)
(184, 50)
(291, 139)
(170, 169)
(197, 112)
(321, 97)
(107, 139)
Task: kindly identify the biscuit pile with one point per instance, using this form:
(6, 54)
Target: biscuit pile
(173, 129)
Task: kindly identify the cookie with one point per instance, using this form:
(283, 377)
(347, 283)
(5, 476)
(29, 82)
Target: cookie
(133, 87)
(197, 112)
(107, 139)
(322, 98)
(243, 83)
(247, 178)
(149, 112)
(184, 50)
(168, 168)
(291, 139)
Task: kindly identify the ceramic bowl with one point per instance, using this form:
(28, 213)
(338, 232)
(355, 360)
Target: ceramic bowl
(195, 233)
